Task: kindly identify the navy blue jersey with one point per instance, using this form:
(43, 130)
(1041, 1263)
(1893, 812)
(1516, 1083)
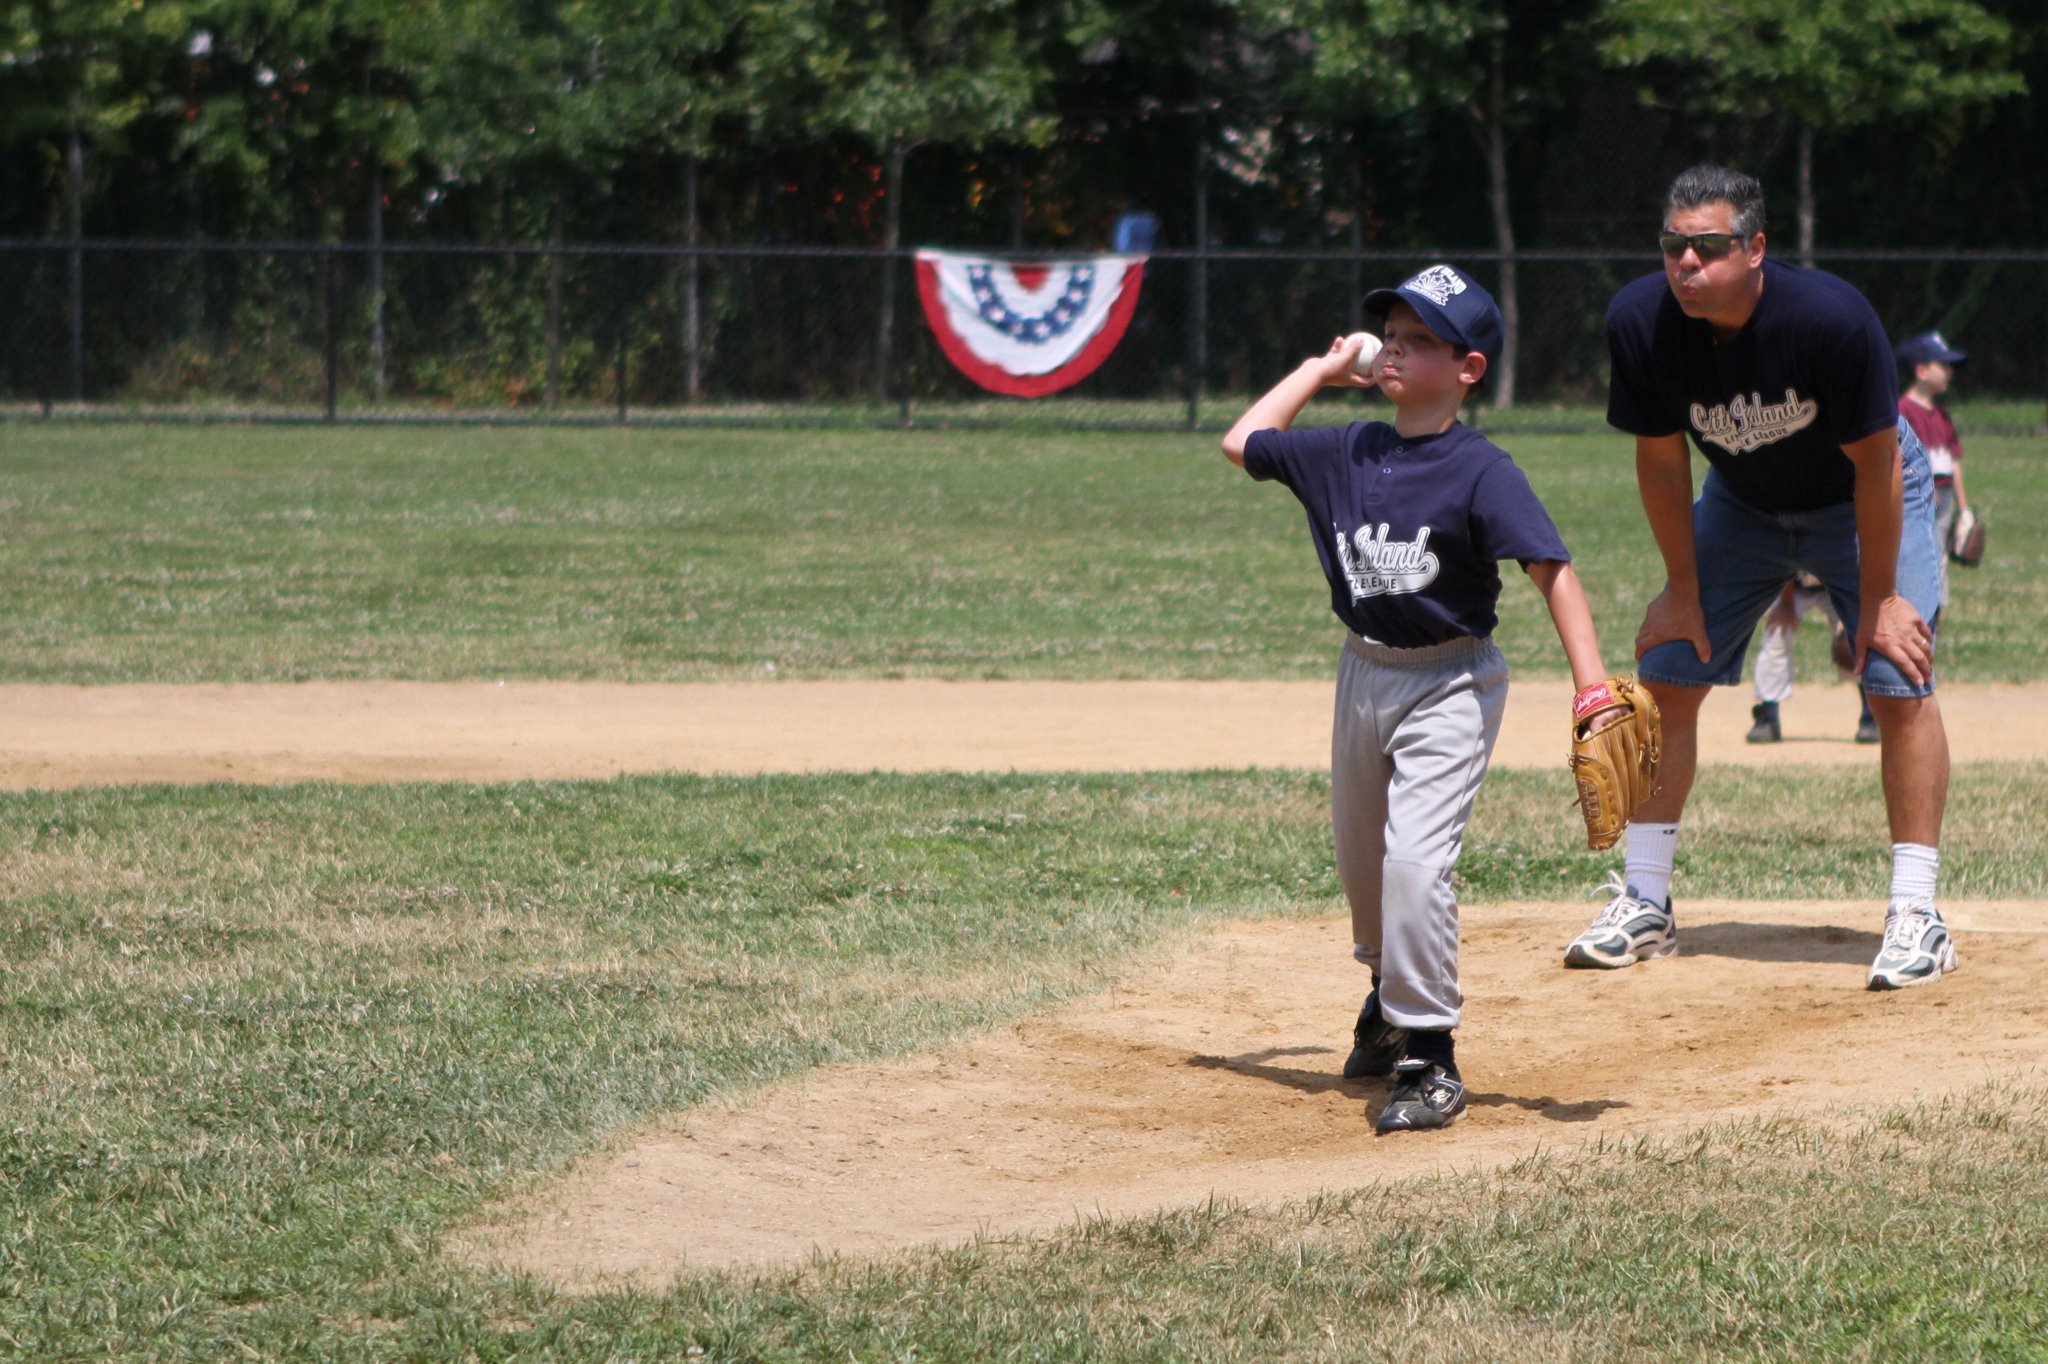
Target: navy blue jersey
(1771, 410)
(1410, 529)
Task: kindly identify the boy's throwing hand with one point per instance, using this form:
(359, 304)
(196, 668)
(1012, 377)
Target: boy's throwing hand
(1350, 360)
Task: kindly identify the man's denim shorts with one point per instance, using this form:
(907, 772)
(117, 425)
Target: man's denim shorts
(1745, 556)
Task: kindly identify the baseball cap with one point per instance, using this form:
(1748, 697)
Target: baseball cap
(1926, 348)
(1450, 303)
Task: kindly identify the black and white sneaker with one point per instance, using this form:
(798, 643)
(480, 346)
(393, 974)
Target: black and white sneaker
(1426, 1096)
(1917, 949)
(1375, 1043)
(1629, 930)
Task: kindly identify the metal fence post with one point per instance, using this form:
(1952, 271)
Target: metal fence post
(553, 391)
(379, 366)
(885, 329)
(333, 346)
(47, 371)
(899, 364)
(1355, 305)
(1198, 304)
(693, 363)
(619, 332)
(75, 169)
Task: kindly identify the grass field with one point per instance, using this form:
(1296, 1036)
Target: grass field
(261, 1049)
(215, 553)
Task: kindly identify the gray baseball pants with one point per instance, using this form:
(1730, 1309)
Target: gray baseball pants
(1413, 733)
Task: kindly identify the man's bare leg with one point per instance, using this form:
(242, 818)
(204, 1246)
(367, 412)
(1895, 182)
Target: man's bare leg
(1678, 708)
(1914, 765)
(1638, 924)
(1917, 948)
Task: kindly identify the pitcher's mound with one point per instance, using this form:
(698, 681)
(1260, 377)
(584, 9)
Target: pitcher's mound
(1218, 1073)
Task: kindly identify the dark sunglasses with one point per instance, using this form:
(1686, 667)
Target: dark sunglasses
(1705, 245)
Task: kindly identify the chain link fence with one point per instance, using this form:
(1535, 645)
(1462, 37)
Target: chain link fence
(644, 334)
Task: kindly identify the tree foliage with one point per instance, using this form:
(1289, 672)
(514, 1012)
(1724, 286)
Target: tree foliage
(485, 117)
(1832, 65)
(85, 65)
(1823, 66)
(905, 72)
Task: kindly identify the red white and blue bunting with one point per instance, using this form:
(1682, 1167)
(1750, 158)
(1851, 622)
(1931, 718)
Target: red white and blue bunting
(1027, 329)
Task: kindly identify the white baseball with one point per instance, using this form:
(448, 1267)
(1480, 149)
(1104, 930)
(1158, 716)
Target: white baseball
(1368, 351)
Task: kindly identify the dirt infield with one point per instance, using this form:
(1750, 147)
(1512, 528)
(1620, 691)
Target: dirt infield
(1213, 1073)
(407, 731)
(1216, 1073)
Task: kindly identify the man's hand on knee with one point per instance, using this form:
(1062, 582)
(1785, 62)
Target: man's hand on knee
(1672, 615)
(1897, 631)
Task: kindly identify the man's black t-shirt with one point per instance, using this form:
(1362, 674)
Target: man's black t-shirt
(1771, 410)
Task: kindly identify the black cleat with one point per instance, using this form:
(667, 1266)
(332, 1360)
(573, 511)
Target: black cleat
(1375, 1043)
(1765, 730)
(1426, 1096)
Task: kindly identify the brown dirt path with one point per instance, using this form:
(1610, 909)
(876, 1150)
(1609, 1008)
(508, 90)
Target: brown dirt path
(54, 736)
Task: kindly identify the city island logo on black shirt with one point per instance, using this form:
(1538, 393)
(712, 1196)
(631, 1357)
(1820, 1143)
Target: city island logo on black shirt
(1374, 564)
(1744, 424)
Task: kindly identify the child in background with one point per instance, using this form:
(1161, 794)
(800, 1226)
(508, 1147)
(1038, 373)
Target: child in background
(1774, 659)
(1929, 363)
(1410, 520)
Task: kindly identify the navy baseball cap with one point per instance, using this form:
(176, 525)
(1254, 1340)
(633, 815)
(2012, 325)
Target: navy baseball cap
(1450, 303)
(1926, 348)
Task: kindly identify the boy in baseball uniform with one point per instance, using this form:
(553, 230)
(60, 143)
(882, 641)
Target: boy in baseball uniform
(1410, 519)
(1928, 363)
(1774, 669)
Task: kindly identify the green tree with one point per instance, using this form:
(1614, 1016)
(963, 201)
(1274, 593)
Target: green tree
(293, 104)
(1823, 66)
(75, 74)
(73, 80)
(1523, 59)
(1498, 65)
(670, 82)
(562, 96)
(894, 76)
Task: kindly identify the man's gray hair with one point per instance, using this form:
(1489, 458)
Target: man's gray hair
(1704, 185)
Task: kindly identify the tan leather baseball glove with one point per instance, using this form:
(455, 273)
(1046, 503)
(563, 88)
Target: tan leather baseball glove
(1617, 742)
(1966, 541)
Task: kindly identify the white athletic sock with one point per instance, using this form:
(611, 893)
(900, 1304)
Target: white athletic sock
(1647, 858)
(1915, 869)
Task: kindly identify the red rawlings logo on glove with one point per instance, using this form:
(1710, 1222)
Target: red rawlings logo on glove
(1596, 697)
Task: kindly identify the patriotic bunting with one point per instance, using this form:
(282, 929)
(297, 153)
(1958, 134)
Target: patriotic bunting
(1027, 329)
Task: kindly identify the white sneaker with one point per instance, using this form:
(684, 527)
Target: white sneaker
(1917, 949)
(1629, 930)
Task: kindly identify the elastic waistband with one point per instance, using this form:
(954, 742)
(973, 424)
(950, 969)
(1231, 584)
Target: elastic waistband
(1428, 656)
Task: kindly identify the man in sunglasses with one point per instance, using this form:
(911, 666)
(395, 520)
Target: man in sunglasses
(1784, 380)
